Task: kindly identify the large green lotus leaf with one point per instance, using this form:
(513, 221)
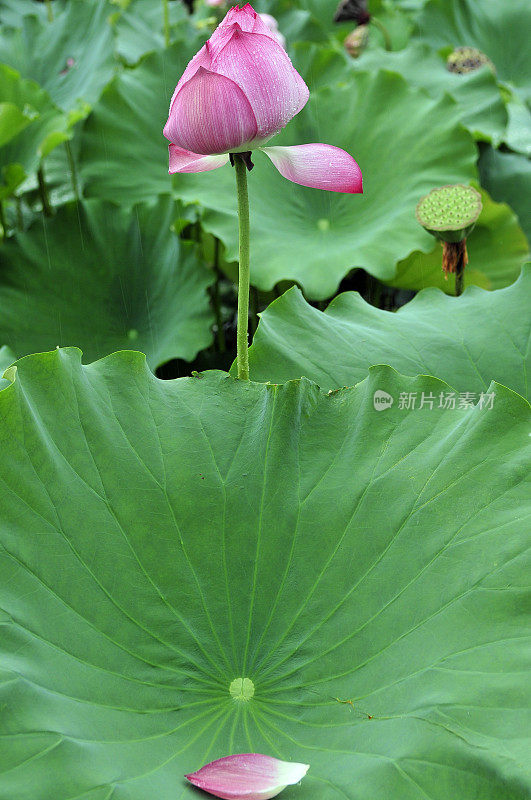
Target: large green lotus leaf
(124, 156)
(12, 12)
(40, 50)
(139, 28)
(160, 539)
(58, 174)
(296, 22)
(508, 178)
(305, 20)
(405, 143)
(432, 335)
(480, 101)
(322, 65)
(105, 278)
(12, 121)
(498, 29)
(518, 133)
(398, 25)
(483, 111)
(313, 20)
(42, 126)
(497, 249)
(410, 5)
(6, 359)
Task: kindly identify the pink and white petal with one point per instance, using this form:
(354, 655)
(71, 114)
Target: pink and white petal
(241, 18)
(245, 17)
(249, 776)
(263, 70)
(320, 166)
(266, 24)
(185, 161)
(269, 21)
(221, 36)
(210, 115)
(201, 59)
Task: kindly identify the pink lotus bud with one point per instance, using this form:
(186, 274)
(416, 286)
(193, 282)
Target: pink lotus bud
(272, 24)
(249, 776)
(237, 92)
(215, 3)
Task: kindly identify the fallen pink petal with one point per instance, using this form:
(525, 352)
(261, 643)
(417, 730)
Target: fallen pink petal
(249, 776)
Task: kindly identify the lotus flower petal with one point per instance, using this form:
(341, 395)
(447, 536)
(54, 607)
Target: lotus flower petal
(201, 59)
(210, 114)
(249, 21)
(272, 26)
(220, 37)
(237, 91)
(185, 161)
(321, 166)
(250, 776)
(269, 21)
(245, 17)
(263, 70)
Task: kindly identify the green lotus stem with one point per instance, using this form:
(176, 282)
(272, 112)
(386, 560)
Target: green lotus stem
(254, 309)
(73, 173)
(166, 14)
(385, 33)
(49, 9)
(242, 356)
(46, 207)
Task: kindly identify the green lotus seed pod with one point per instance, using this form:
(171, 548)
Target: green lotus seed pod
(450, 212)
(467, 59)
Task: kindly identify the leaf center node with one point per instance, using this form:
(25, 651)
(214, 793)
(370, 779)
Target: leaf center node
(241, 689)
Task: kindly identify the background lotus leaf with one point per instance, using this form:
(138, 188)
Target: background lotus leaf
(467, 341)
(125, 129)
(41, 50)
(483, 111)
(12, 12)
(139, 27)
(180, 534)
(6, 359)
(507, 177)
(42, 127)
(518, 133)
(134, 284)
(12, 121)
(499, 30)
(313, 21)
